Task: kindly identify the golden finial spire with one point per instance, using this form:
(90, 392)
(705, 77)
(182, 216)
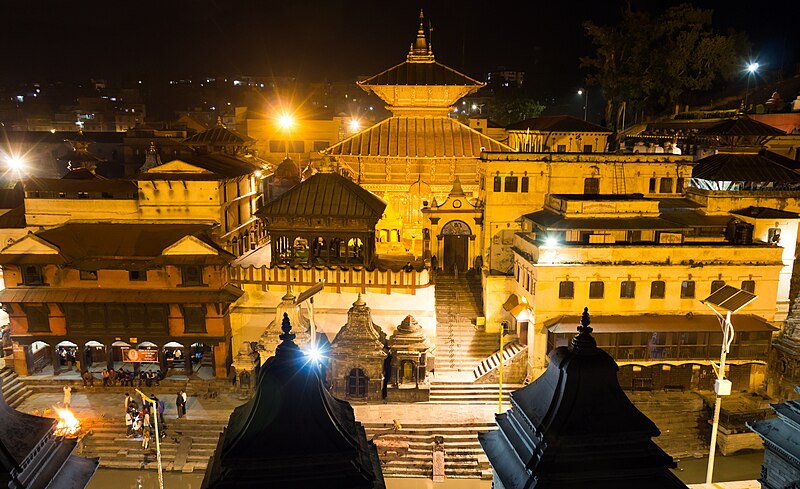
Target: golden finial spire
(420, 51)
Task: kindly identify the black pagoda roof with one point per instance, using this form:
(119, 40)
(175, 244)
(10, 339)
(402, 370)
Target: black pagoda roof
(293, 433)
(575, 427)
(764, 166)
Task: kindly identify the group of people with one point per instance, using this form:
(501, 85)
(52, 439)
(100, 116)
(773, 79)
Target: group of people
(124, 377)
(139, 420)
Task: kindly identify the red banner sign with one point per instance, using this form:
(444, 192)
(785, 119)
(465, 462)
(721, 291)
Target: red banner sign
(139, 356)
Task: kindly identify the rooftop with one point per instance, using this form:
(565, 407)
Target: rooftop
(557, 123)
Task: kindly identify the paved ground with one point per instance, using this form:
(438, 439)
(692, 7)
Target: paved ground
(95, 403)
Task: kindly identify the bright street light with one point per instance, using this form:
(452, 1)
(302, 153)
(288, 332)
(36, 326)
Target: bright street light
(286, 121)
(15, 162)
(581, 91)
(355, 125)
(752, 68)
(551, 241)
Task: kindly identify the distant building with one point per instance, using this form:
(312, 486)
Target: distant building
(116, 286)
(557, 134)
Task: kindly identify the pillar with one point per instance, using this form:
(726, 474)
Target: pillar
(109, 356)
(21, 354)
(81, 356)
(187, 361)
(55, 359)
(220, 363)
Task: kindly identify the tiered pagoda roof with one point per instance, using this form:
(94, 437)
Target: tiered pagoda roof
(326, 195)
(417, 137)
(293, 433)
(219, 135)
(575, 427)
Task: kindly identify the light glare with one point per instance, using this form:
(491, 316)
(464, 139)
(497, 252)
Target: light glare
(355, 125)
(752, 67)
(551, 241)
(286, 121)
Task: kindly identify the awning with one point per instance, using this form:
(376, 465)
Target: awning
(226, 294)
(660, 323)
(518, 308)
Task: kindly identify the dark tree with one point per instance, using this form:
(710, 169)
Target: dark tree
(648, 61)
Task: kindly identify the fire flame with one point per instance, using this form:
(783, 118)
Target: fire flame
(68, 425)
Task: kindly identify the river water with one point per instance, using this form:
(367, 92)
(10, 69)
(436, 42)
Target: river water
(692, 471)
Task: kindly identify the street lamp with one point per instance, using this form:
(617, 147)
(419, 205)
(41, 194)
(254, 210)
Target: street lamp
(286, 121)
(727, 300)
(585, 92)
(752, 68)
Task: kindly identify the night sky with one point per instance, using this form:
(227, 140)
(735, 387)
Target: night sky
(334, 39)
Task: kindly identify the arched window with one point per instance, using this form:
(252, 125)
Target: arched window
(357, 382)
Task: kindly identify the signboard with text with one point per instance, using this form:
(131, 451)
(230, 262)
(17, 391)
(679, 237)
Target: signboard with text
(139, 356)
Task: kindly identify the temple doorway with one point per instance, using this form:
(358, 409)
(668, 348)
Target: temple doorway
(456, 236)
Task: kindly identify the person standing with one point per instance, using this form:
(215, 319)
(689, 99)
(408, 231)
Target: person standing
(128, 423)
(185, 401)
(67, 395)
(105, 375)
(180, 403)
(145, 439)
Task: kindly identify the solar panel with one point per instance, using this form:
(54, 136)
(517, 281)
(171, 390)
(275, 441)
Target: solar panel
(730, 298)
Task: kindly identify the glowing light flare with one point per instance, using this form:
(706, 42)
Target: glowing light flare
(580, 92)
(15, 162)
(286, 121)
(752, 67)
(314, 354)
(355, 125)
(68, 425)
(551, 242)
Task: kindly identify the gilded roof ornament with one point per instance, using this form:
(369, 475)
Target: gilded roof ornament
(421, 50)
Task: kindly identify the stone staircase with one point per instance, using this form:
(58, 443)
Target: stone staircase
(493, 361)
(681, 419)
(464, 457)
(460, 343)
(193, 385)
(469, 393)
(14, 391)
(187, 446)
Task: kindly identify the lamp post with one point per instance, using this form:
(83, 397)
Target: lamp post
(751, 70)
(727, 300)
(585, 91)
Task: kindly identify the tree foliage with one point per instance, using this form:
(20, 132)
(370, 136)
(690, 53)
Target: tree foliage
(648, 61)
(505, 110)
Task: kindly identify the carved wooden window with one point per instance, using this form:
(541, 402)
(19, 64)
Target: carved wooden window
(524, 185)
(511, 184)
(591, 185)
(32, 275)
(498, 184)
(357, 382)
(194, 318)
(38, 318)
(192, 274)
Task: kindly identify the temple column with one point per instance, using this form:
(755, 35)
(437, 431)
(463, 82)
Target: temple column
(187, 361)
(109, 357)
(56, 360)
(81, 354)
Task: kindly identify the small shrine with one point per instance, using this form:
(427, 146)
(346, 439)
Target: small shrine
(286, 176)
(270, 338)
(409, 350)
(781, 468)
(575, 427)
(358, 356)
(219, 139)
(785, 353)
(293, 433)
(325, 220)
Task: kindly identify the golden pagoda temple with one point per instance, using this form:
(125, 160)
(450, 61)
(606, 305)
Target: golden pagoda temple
(416, 154)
